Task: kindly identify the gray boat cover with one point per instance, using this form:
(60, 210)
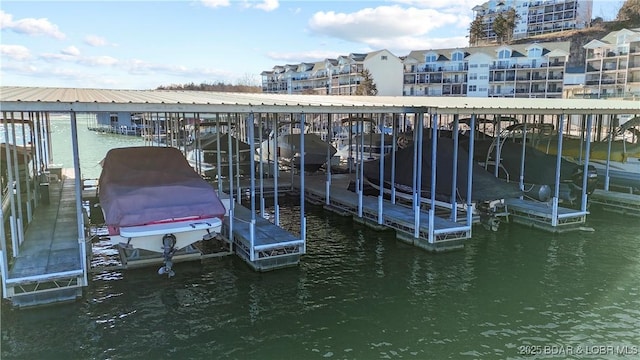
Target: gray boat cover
(146, 185)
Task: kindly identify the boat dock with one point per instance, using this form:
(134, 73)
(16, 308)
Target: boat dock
(541, 215)
(618, 202)
(414, 226)
(47, 262)
(50, 265)
(260, 243)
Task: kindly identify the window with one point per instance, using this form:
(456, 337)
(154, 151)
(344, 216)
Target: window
(621, 39)
(430, 58)
(484, 65)
(457, 56)
(472, 88)
(473, 76)
(383, 57)
(504, 54)
(473, 66)
(535, 52)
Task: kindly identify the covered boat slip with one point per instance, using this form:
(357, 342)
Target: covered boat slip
(420, 228)
(418, 224)
(152, 199)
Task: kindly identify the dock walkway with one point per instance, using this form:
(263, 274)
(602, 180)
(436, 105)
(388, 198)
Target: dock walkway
(617, 202)
(272, 246)
(434, 233)
(48, 267)
(540, 215)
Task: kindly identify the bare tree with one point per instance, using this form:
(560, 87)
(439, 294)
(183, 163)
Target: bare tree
(248, 80)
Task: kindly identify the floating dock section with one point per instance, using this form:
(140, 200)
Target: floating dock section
(260, 243)
(617, 202)
(50, 266)
(417, 227)
(545, 216)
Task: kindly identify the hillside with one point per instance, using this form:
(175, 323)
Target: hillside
(579, 38)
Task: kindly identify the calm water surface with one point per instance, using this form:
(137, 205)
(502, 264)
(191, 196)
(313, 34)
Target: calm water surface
(356, 294)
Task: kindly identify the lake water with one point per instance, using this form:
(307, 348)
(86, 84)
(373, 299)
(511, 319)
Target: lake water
(356, 294)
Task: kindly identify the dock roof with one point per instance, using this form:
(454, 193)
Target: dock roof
(97, 100)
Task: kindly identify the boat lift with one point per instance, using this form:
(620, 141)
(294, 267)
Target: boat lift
(425, 230)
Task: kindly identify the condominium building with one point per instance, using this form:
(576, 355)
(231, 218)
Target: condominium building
(535, 17)
(528, 70)
(340, 76)
(613, 65)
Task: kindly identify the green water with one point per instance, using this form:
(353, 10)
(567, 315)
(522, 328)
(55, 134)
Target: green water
(357, 294)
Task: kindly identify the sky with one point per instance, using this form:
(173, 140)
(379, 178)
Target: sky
(145, 44)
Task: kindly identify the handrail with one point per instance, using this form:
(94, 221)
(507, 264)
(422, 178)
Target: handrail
(50, 276)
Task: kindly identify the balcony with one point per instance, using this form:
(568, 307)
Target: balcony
(556, 63)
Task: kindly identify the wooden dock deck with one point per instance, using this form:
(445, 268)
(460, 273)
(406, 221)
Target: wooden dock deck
(49, 265)
(434, 233)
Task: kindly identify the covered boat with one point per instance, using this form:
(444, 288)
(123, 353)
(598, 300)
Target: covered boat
(487, 192)
(485, 187)
(204, 155)
(539, 167)
(153, 200)
(358, 136)
(288, 152)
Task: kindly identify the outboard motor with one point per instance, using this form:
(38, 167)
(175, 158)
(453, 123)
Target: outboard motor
(168, 244)
(592, 179)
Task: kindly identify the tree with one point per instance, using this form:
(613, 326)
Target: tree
(367, 86)
(630, 12)
(500, 28)
(476, 31)
(248, 80)
(510, 17)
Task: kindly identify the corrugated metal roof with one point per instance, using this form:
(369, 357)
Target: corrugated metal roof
(95, 100)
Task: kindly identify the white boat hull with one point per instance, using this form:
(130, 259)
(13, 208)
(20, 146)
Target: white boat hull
(150, 237)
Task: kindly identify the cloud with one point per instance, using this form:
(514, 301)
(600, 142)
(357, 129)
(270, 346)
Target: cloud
(15, 52)
(215, 3)
(298, 57)
(141, 67)
(389, 27)
(451, 5)
(95, 40)
(268, 5)
(30, 26)
(71, 54)
(98, 61)
(71, 51)
(380, 22)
